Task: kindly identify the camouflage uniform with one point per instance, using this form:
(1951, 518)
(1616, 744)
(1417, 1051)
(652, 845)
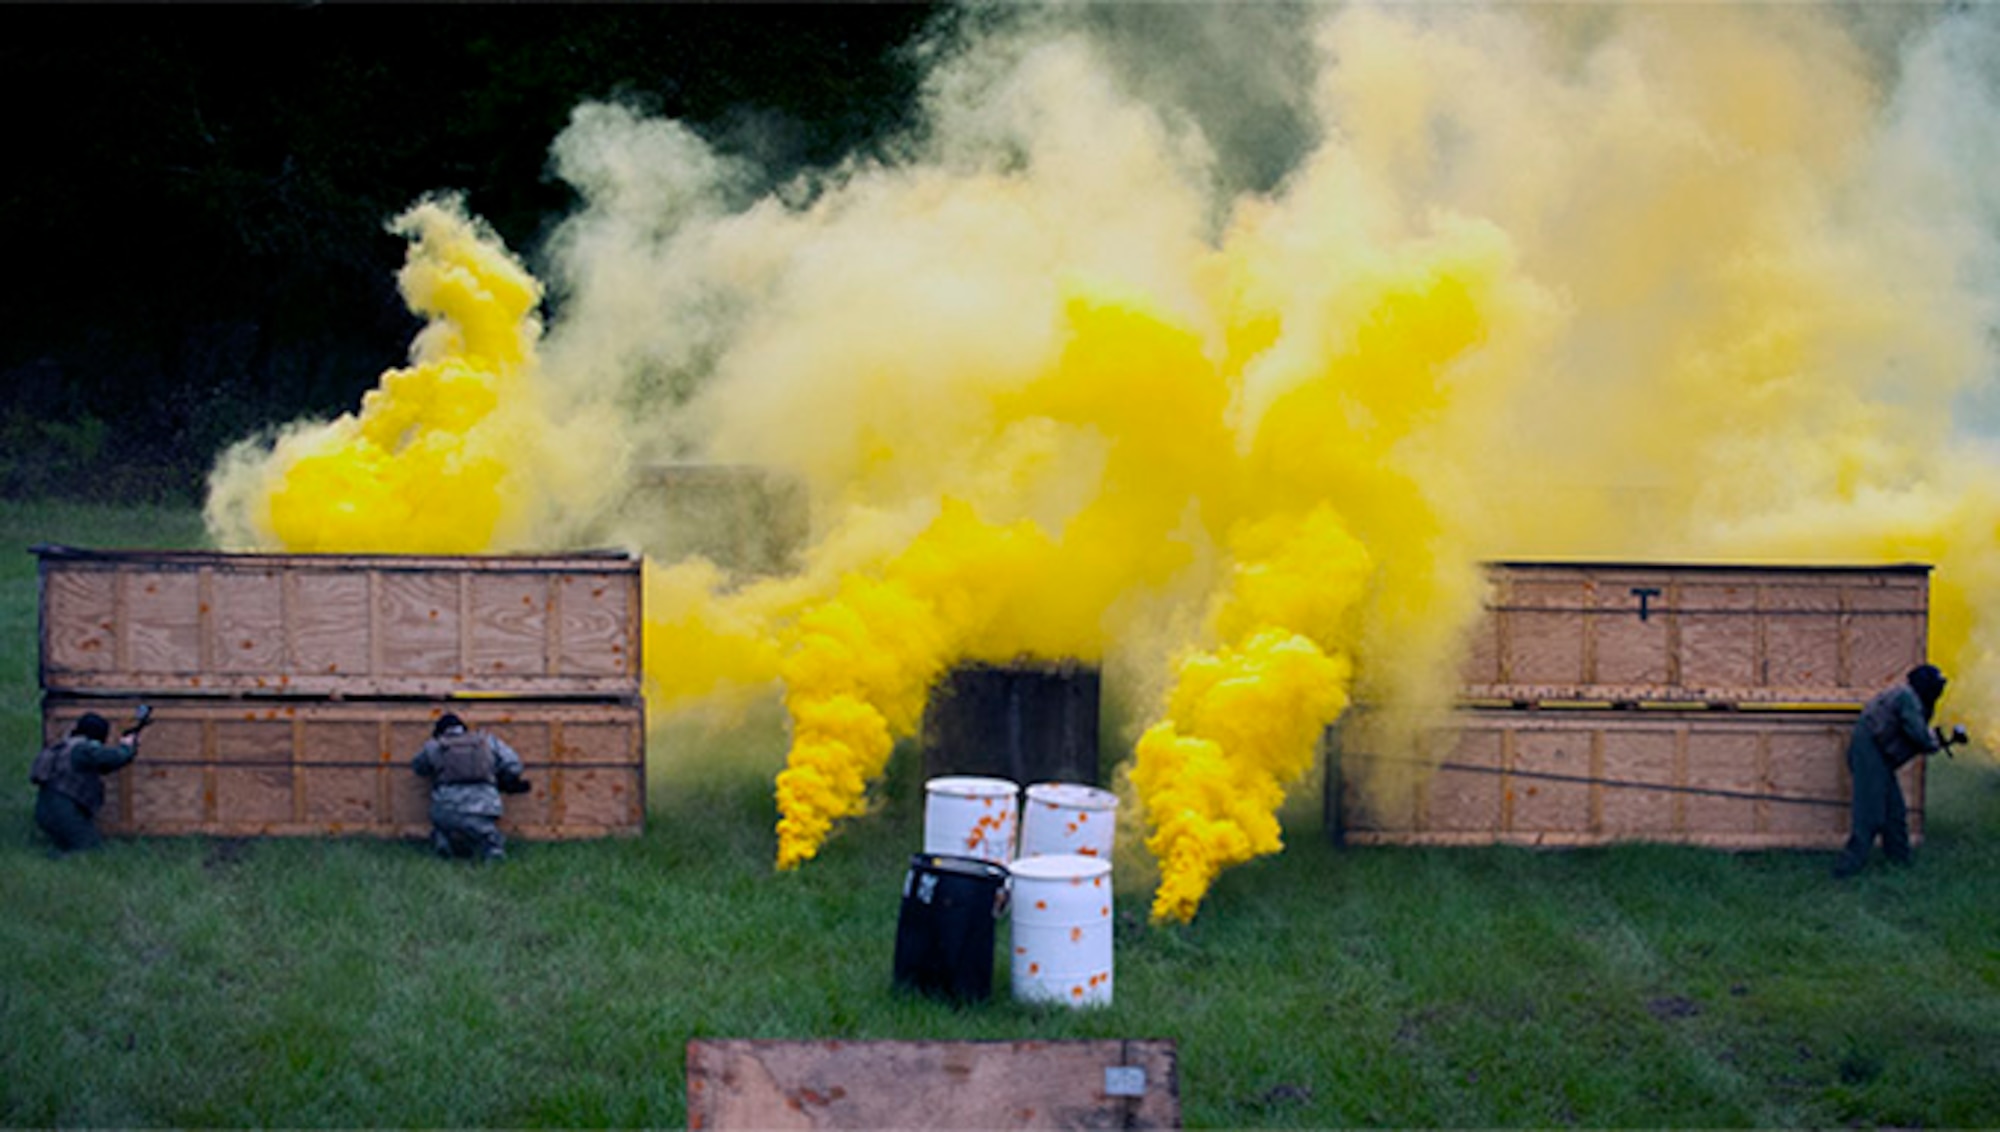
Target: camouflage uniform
(69, 776)
(466, 769)
(1892, 730)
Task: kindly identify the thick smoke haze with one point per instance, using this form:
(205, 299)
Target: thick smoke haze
(1218, 345)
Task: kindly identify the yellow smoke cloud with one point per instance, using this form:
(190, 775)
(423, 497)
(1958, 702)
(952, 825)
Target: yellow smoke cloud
(1064, 382)
(452, 454)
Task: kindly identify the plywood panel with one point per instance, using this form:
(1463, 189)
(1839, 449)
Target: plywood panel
(510, 624)
(1631, 629)
(1637, 799)
(259, 795)
(1802, 635)
(1466, 797)
(330, 629)
(1807, 763)
(163, 622)
(1724, 763)
(256, 767)
(932, 1085)
(1720, 634)
(1886, 631)
(80, 621)
(599, 625)
(417, 615)
(150, 793)
(342, 797)
(1544, 647)
(248, 611)
(1547, 789)
(351, 625)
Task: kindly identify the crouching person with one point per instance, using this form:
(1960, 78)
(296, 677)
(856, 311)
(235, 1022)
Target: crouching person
(69, 779)
(469, 770)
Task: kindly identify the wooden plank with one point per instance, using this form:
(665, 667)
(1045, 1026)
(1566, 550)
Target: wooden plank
(1885, 630)
(360, 626)
(79, 623)
(1720, 643)
(734, 1084)
(1802, 633)
(1631, 629)
(257, 767)
(1588, 777)
(162, 622)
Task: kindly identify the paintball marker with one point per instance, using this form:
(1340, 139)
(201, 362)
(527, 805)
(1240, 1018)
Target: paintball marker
(1947, 741)
(140, 720)
(513, 784)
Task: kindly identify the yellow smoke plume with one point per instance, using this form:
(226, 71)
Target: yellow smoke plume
(1227, 378)
(452, 454)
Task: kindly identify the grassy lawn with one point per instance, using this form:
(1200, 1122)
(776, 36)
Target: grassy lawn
(314, 983)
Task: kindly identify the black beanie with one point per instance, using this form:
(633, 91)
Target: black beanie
(1928, 682)
(448, 722)
(92, 726)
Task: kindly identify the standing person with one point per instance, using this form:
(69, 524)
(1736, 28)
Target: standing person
(469, 770)
(69, 777)
(1893, 728)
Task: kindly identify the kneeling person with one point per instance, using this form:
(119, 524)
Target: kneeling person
(69, 779)
(469, 770)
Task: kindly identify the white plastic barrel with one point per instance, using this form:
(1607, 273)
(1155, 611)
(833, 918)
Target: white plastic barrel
(1062, 929)
(970, 817)
(1067, 817)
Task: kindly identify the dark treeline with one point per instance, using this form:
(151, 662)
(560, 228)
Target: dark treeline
(194, 220)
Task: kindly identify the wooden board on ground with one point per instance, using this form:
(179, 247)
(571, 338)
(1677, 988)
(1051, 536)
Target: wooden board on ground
(195, 623)
(1732, 780)
(244, 768)
(1696, 634)
(932, 1085)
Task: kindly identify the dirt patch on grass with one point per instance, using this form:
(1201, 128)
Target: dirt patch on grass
(1669, 1007)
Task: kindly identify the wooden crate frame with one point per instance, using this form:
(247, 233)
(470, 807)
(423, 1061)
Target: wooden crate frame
(1748, 780)
(194, 623)
(243, 768)
(1697, 634)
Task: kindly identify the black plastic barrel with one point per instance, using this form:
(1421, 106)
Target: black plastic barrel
(944, 936)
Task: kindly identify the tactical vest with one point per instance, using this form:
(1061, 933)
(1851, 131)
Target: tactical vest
(1885, 725)
(463, 759)
(54, 770)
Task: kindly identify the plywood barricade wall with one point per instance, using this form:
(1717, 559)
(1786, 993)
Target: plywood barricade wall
(1696, 704)
(290, 691)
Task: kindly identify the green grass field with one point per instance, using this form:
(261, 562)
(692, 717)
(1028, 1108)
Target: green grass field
(322, 983)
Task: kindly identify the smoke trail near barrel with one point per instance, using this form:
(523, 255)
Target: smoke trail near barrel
(1228, 377)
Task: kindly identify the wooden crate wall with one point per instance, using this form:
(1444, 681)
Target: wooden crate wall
(291, 691)
(1733, 780)
(1562, 632)
(190, 623)
(1696, 704)
(270, 767)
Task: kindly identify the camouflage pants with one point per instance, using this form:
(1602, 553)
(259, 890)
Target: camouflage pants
(1878, 811)
(65, 822)
(455, 833)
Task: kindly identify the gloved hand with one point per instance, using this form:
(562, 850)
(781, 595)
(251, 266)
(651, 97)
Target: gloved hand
(515, 785)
